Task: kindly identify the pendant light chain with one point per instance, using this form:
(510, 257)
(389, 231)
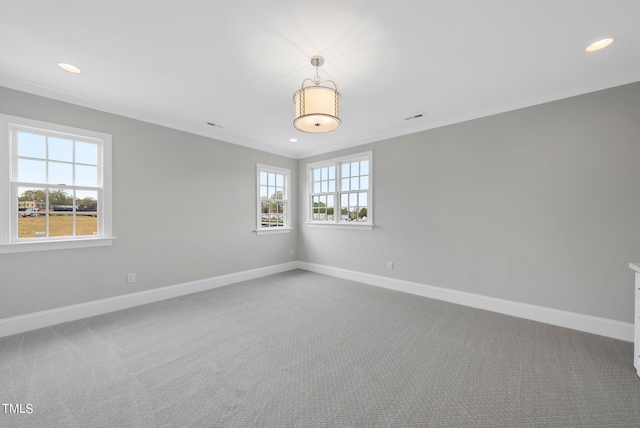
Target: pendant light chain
(317, 78)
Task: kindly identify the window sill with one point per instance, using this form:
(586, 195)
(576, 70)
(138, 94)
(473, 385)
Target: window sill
(353, 226)
(62, 244)
(273, 230)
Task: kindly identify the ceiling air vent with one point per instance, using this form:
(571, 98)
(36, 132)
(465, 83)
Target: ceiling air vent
(413, 117)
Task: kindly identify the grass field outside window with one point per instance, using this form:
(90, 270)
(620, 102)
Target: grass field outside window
(59, 225)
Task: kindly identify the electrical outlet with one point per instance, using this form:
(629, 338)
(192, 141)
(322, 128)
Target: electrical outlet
(291, 252)
(390, 265)
(131, 278)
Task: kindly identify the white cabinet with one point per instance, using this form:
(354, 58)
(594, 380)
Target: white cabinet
(636, 348)
(636, 341)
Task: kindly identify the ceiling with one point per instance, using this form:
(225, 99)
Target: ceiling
(237, 64)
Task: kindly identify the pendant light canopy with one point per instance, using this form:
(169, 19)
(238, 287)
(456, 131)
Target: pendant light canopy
(317, 105)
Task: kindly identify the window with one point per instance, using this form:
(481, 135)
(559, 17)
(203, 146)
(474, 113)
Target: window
(58, 193)
(340, 192)
(273, 199)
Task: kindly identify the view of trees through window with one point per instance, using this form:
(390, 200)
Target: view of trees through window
(56, 210)
(341, 187)
(57, 186)
(272, 198)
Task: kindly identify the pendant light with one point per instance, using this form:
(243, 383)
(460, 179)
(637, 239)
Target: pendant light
(317, 104)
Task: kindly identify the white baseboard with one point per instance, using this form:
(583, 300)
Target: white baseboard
(22, 323)
(601, 326)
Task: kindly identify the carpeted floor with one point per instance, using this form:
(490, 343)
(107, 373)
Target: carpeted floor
(303, 349)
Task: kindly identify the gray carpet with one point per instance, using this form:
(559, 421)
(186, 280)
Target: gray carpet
(302, 349)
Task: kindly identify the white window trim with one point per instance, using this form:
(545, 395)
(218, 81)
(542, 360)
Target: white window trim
(336, 224)
(287, 208)
(327, 225)
(7, 245)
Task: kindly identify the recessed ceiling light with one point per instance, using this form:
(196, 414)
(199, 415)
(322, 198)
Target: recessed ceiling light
(293, 140)
(70, 68)
(600, 44)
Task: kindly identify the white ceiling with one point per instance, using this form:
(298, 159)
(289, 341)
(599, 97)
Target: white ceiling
(238, 63)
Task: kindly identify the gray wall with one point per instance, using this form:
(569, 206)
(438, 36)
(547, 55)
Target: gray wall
(539, 205)
(183, 209)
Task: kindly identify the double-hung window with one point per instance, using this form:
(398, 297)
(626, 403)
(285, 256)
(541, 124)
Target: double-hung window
(340, 192)
(58, 193)
(273, 199)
